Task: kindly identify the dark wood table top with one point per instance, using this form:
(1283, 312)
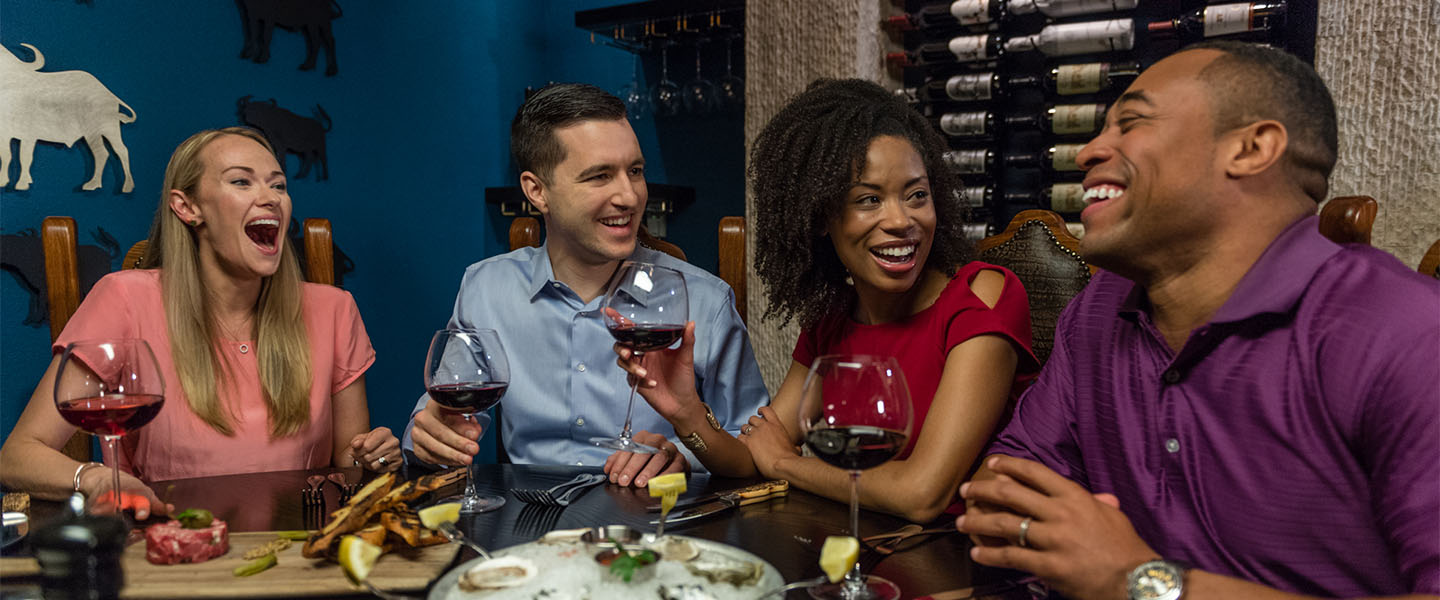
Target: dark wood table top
(787, 532)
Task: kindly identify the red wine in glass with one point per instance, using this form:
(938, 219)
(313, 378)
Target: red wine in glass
(111, 414)
(468, 398)
(647, 338)
(645, 309)
(857, 447)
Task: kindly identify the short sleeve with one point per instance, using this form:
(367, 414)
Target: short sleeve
(1009, 318)
(805, 347)
(353, 352)
(105, 313)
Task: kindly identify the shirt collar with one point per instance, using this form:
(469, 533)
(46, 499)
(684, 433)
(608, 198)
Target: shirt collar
(542, 273)
(1274, 283)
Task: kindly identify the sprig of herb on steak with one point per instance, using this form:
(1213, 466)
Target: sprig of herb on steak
(194, 518)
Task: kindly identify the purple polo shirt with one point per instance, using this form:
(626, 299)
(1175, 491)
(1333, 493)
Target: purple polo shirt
(1294, 441)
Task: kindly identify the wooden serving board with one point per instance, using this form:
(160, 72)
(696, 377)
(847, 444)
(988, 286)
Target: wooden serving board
(293, 576)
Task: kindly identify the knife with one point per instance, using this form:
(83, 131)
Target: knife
(748, 490)
(709, 504)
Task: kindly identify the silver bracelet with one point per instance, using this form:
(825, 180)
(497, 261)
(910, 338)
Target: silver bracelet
(81, 469)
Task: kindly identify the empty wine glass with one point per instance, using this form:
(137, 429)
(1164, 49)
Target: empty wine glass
(666, 94)
(634, 94)
(109, 388)
(731, 88)
(466, 373)
(646, 308)
(699, 94)
(855, 414)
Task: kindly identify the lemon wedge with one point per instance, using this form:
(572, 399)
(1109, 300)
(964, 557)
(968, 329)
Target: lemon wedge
(667, 488)
(433, 517)
(838, 556)
(357, 557)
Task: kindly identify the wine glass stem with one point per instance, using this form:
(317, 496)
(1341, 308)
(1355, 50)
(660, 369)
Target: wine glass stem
(112, 443)
(854, 579)
(630, 409)
(470, 492)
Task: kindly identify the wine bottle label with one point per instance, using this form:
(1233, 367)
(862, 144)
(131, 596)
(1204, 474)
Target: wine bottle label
(1088, 37)
(1062, 157)
(971, 12)
(966, 162)
(1067, 197)
(1068, 8)
(1076, 229)
(963, 124)
(909, 95)
(1225, 19)
(1075, 118)
(973, 86)
(1079, 79)
(972, 196)
(969, 48)
(974, 231)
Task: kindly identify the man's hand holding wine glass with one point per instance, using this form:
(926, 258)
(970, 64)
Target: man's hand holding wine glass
(443, 437)
(664, 378)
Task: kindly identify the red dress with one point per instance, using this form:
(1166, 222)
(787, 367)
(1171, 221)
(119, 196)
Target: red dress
(921, 342)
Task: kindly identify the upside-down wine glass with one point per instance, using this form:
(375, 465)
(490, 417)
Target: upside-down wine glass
(646, 308)
(634, 94)
(666, 94)
(466, 373)
(731, 88)
(855, 414)
(699, 94)
(109, 388)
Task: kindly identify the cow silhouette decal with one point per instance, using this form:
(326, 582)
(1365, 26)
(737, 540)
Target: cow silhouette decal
(290, 133)
(310, 17)
(24, 260)
(59, 107)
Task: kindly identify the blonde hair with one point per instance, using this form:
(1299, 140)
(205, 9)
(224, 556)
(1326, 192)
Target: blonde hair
(282, 347)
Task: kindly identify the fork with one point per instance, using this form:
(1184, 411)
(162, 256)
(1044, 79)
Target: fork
(555, 497)
(346, 489)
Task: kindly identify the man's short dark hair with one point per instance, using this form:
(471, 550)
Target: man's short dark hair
(1252, 82)
(532, 133)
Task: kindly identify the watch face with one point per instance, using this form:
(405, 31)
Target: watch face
(1155, 581)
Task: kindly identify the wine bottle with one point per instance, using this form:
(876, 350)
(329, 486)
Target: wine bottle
(1059, 158)
(1089, 78)
(1068, 39)
(1059, 197)
(1057, 9)
(975, 196)
(967, 87)
(1225, 19)
(1060, 119)
(963, 49)
(970, 161)
(969, 13)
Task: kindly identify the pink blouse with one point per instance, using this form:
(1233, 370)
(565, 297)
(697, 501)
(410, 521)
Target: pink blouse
(177, 444)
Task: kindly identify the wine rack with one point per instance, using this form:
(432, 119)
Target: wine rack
(1006, 143)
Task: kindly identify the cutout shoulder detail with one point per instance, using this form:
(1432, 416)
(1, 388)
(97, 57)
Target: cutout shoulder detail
(988, 285)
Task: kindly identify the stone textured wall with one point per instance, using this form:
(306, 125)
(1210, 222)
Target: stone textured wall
(1381, 59)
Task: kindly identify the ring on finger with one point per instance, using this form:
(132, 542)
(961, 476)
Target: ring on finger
(383, 461)
(746, 429)
(1024, 530)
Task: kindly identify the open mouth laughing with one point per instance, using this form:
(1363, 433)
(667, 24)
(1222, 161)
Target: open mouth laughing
(896, 256)
(265, 232)
(1097, 195)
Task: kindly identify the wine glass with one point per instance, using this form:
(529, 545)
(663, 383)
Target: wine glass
(646, 308)
(109, 388)
(634, 94)
(855, 414)
(666, 95)
(699, 94)
(730, 88)
(466, 373)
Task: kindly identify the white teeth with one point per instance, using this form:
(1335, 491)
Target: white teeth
(1102, 192)
(616, 221)
(896, 251)
(272, 222)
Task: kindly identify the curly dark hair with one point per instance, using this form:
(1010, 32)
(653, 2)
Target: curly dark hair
(801, 167)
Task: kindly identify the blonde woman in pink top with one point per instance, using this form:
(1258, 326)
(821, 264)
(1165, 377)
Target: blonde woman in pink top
(263, 372)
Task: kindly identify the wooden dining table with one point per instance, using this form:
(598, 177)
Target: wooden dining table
(787, 531)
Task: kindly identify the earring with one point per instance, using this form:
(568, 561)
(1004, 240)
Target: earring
(195, 223)
(850, 281)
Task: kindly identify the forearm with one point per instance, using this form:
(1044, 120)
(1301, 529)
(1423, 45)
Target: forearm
(924, 499)
(724, 455)
(1200, 585)
(34, 467)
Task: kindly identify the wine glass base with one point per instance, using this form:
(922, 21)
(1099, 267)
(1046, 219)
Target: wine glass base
(624, 445)
(875, 588)
(479, 503)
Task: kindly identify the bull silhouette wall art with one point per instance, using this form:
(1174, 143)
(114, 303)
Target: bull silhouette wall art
(309, 17)
(290, 133)
(24, 259)
(60, 107)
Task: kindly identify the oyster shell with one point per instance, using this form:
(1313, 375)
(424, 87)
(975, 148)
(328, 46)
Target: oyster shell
(499, 573)
(722, 568)
(673, 548)
(685, 591)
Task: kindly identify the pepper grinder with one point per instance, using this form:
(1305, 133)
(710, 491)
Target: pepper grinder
(79, 555)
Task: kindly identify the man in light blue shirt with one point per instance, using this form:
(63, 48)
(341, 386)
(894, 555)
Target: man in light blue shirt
(582, 168)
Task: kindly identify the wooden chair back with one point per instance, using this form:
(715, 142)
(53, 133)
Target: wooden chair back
(1038, 248)
(731, 244)
(62, 285)
(1348, 219)
(1430, 263)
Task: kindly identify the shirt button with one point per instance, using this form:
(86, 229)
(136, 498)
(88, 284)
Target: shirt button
(1172, 445)
(580, 422)
(580, 367)
(579, 464)
(1172, 376)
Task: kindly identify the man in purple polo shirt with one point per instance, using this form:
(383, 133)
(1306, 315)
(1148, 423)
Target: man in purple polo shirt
(1236, 407)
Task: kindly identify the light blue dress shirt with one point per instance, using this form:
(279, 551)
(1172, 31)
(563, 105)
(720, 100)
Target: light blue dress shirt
(565, 387)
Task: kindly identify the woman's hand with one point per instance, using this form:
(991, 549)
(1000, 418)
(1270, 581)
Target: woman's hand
(627, 467)
(96, 483)
(377, 450)
(768, 441)
(668, 383)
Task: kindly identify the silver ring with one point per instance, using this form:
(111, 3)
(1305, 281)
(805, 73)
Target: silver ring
(1024, 529)
(746, 429)
(383, 461)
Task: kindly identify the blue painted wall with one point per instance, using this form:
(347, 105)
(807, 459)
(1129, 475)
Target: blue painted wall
(420, 108)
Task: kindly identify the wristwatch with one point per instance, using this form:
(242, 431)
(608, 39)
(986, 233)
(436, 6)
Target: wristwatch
(1157, 579)
(693, 441)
